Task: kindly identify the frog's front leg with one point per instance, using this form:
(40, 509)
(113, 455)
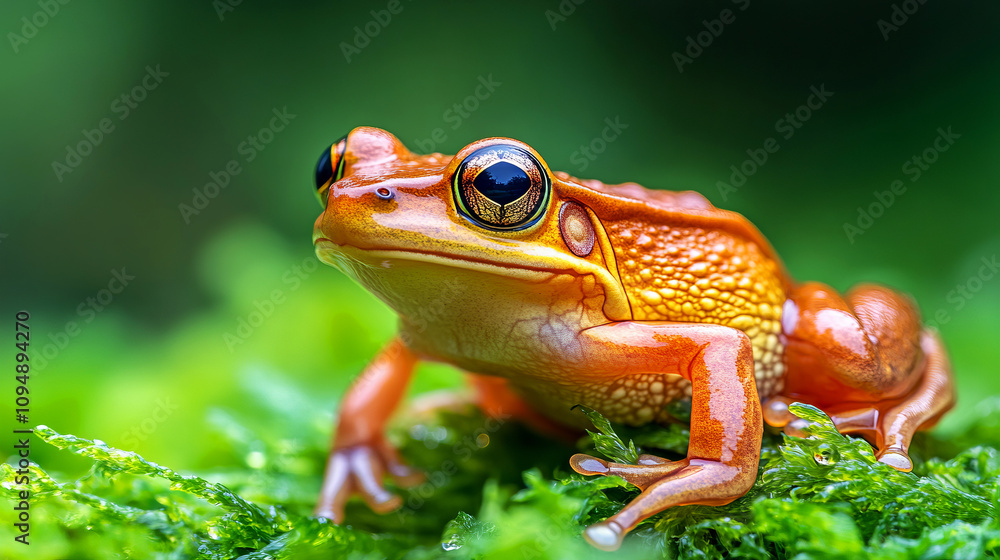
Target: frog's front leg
(726, 423)
(360, 455)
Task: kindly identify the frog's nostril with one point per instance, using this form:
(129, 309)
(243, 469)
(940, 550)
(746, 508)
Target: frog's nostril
(383, 193)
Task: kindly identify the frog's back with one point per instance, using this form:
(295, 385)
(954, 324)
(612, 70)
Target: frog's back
(681, 259)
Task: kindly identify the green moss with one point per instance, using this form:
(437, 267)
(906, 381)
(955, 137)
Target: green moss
(510, 495)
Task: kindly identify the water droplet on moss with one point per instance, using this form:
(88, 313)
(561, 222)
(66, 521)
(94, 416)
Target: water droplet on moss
(454, 543)
(826, 454)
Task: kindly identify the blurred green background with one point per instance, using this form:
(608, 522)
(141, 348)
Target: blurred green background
(146, 371)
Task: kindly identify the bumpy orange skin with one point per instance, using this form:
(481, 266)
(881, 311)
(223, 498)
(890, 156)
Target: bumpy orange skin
(675, 299)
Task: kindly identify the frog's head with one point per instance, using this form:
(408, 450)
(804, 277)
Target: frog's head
(493, 218)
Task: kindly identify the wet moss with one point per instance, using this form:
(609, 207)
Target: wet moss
(510, 495)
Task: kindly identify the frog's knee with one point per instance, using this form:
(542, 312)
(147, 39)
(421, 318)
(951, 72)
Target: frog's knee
(891, 320)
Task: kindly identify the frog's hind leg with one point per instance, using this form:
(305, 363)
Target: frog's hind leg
(866, 361)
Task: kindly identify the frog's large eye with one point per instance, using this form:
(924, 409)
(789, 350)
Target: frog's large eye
(330, 168)
(501, 187)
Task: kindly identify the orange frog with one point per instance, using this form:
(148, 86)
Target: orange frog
(553, 291)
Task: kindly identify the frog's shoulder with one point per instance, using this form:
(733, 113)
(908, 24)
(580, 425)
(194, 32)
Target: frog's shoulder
(634, 203)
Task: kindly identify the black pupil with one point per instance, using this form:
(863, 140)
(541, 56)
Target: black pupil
(324, 168)
(502, 182)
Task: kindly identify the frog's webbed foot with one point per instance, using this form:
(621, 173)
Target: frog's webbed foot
(664, 484)
(359, 469)
(861, 421)
(362, 456)
(608, 534)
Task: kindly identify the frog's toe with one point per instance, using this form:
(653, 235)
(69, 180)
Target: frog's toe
(776, 413)
(359, 470)
(588, 465)
(649, 470)
(797, 428)
(337, 488)
(367, 466)
(897, 458)
(329, 512)
(404, 475)
(606, 535)
(383, 502)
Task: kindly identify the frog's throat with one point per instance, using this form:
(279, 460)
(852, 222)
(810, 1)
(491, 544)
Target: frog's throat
(616, 305)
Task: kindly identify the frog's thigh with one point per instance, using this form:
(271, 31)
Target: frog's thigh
(726, 424)
(868, 340)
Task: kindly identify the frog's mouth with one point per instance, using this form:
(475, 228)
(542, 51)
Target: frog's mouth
(348, 257)
(366, 265)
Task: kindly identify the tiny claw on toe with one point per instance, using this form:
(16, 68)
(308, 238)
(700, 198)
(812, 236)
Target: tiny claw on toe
(896, 458)
(606, 535)
(383, 502)
(587, 465)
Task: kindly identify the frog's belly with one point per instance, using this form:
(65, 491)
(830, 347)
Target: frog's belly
(633, 399)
